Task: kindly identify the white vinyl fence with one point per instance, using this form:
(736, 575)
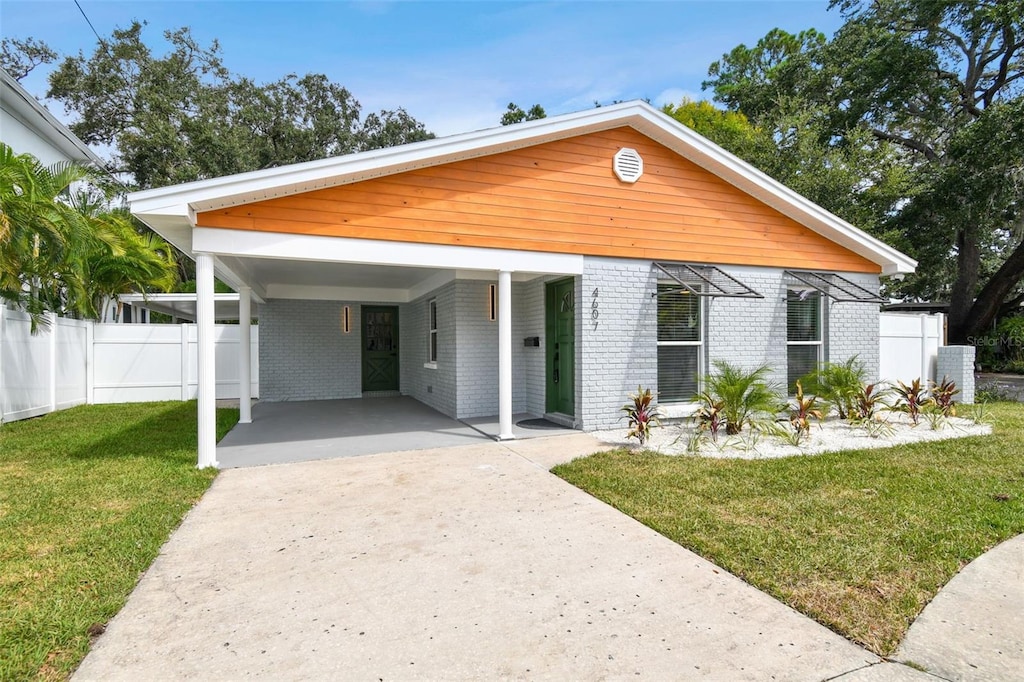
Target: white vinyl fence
(75, 362)
(909, 346)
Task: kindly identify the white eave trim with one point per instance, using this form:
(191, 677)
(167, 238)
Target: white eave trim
(184, 200)
(41, 119)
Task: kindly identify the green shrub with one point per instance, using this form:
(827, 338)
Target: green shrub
(1011, 340)
(838, 384)
(745, 395)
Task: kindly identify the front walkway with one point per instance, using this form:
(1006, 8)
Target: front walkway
(471, 562)
(974, 627)
(322, 429)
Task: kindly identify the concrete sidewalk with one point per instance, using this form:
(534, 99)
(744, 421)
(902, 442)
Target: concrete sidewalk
(470, 562)
(974, 627)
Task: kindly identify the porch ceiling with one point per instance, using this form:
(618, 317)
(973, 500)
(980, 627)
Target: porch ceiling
(331, 280)
(270, 272)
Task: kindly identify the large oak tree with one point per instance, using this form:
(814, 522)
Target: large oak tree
(928, 94)
(181, 116)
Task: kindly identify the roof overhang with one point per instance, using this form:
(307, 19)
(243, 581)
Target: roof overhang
(183, 305)
(22, 103)
(171, 210)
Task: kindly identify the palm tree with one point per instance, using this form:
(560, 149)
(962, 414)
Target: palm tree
(133, 261)
(66, 254)
(40, 235)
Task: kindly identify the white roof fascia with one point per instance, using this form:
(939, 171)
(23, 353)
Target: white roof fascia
(184, 200)
(35, 113)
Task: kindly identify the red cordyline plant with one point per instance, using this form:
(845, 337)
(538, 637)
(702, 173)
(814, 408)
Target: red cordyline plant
(911, 399)
(641, 414)
(942, 396)
(711, 416)
(870, 398)
(803, 411)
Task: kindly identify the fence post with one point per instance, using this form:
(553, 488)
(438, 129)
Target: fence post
(53, 361)
(924, 349)
(185, 369)
(90, 363)
(3, 338)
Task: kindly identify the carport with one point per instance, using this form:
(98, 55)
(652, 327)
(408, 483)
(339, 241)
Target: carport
(323, 429)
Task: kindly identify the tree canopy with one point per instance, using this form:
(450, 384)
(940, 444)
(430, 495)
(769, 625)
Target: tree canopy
(922, 99)
(165, 119)
(183, 116)
(516, 114)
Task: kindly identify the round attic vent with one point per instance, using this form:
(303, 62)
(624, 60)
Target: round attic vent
(628, 165)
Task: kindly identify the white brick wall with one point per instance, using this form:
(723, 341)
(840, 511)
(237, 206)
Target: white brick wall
(617, 350)
(434, 387)
(303, 353)
(749, 332)
(476, 339)
(853, 329)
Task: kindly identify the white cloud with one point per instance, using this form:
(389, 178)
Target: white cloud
(677, 95)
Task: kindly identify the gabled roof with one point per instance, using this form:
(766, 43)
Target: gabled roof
(171, 210)
(18, 100)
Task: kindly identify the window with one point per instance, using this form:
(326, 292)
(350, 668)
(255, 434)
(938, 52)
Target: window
(803, 334)
(432, 333)
(679, 343)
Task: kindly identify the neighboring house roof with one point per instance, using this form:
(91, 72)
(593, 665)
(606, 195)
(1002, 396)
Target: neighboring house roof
(172, 211)
(28, 128)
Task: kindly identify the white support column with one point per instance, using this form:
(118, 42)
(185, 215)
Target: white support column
(207, 362)
(244, 355)
(505, 355)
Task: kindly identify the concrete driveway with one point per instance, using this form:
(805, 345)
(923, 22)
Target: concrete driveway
(469, 562)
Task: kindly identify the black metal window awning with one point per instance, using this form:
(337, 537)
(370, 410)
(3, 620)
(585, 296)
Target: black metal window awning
(836, 287)
(703, 280)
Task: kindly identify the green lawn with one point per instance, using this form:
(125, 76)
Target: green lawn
(860, 541)
(87, 497)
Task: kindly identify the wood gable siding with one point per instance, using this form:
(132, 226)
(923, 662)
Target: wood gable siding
(557, 197)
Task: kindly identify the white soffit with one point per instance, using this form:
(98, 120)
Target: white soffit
(178, 204)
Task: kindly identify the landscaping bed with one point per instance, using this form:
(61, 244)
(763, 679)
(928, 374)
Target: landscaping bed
(829, 435)
(859, 540)
(87, 498)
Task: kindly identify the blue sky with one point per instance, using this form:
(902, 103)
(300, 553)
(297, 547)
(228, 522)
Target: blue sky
(453, 65)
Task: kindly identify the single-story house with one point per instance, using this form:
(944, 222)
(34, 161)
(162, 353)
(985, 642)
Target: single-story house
(548, 267)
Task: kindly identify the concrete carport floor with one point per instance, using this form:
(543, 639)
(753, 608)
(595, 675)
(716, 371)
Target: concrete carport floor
(469, 562)
(303, 431)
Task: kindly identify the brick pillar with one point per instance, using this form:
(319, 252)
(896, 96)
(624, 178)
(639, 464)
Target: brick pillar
(957, 364)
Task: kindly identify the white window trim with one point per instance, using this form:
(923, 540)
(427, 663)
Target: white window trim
(820, 343)
(432, 344)
(686, 407)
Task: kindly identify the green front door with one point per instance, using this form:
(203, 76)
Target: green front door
(560, 307)
(380, 348)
